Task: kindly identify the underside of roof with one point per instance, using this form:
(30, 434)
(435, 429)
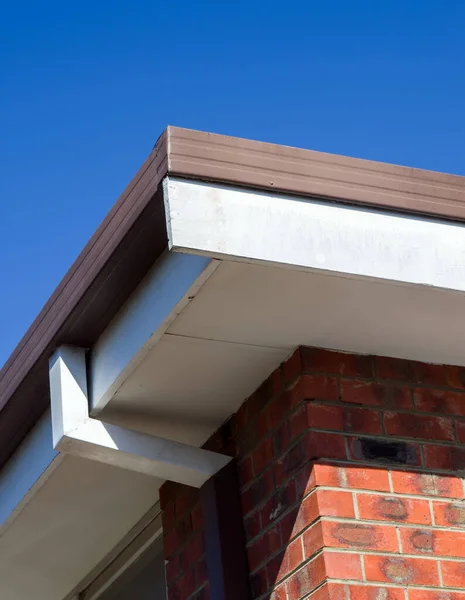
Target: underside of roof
(134, 235)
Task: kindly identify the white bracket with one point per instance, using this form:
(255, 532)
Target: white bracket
(74, 432)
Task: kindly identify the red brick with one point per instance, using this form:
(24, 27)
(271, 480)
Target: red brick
(284, 497)
(186, 500)
(438, 542)
(245, 469)
(342, 565)
(201, 572)
(281, 439)
(360, 536)
(252, 526)
(335, 504)
(305, 480)
(168, 492)
(258, 583)
(262, 456)
(449, 514)
(259, 550)
(306, 579)
(428, 373)
(444, 457)
(393, 368)
(279, 593)
(403, 571)
(292, 461)
(455, 377)
(197, 518)
(393, 508)
(367, 478)
(326, 445)
(168, 516)
(182, 587)
(172, 569)
(313, 539)
(435, 595)
(417, 426)
(453, 573)
(375, 394)
(278, 408)
(292, 557)
(448, 486)
(315, 387)
(257, 493)
(460, 431)
(328, 475)
(171, 543)
(292, 367)
(307, 512)
(192, 552)
(338, 363)
(405, 482)
(418, 541)
(365, 592)
(443, 402)
(321, 416)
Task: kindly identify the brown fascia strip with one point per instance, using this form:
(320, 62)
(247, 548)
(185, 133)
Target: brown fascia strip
(133, 236)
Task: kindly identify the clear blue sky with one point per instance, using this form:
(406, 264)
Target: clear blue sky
(87, 87)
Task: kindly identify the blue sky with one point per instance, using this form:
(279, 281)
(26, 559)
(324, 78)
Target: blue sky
(86, 88)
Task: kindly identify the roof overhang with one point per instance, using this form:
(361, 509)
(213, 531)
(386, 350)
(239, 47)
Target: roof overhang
(190, 294)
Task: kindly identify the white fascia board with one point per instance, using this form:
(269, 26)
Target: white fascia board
(75, 433)
(238, 224)
(171, 283)
(26, 471)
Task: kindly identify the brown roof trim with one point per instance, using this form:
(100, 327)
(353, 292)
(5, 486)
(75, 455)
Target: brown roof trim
(133, 236)
(194, 154)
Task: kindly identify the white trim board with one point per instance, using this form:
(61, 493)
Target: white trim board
(238, 224)
(77, 434)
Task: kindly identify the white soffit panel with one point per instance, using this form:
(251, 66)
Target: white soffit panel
(168, 287)
(186, 388)
(279, 307)
(74, 520)
(28, 468)
(246, 225)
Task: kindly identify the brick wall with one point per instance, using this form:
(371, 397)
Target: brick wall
(349, 469)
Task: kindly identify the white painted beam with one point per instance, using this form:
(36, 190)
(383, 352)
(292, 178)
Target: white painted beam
(251, 226)
(75, 433)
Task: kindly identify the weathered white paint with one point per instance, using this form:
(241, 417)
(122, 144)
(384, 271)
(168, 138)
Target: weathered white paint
(75, 433)
(26, 470)
(171, 283)
(224, 221)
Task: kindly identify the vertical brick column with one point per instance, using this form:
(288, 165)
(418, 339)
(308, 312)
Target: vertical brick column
(350, 483)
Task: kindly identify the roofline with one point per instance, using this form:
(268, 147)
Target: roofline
(133, 235)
